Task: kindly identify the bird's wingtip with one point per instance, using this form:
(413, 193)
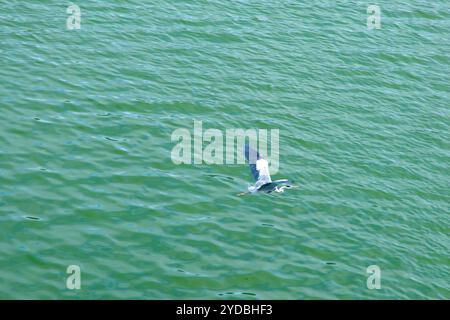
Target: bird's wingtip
(250, 155)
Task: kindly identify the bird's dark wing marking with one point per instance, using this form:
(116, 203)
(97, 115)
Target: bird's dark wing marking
(251, 156)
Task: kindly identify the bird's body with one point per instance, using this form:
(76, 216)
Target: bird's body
(259, 168)
(277, 186)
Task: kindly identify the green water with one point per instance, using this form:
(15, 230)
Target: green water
(86, 176)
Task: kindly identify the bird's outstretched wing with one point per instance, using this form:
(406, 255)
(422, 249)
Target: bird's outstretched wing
(258, 166)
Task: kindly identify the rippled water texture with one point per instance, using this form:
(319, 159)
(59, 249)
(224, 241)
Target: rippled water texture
(86, 176)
